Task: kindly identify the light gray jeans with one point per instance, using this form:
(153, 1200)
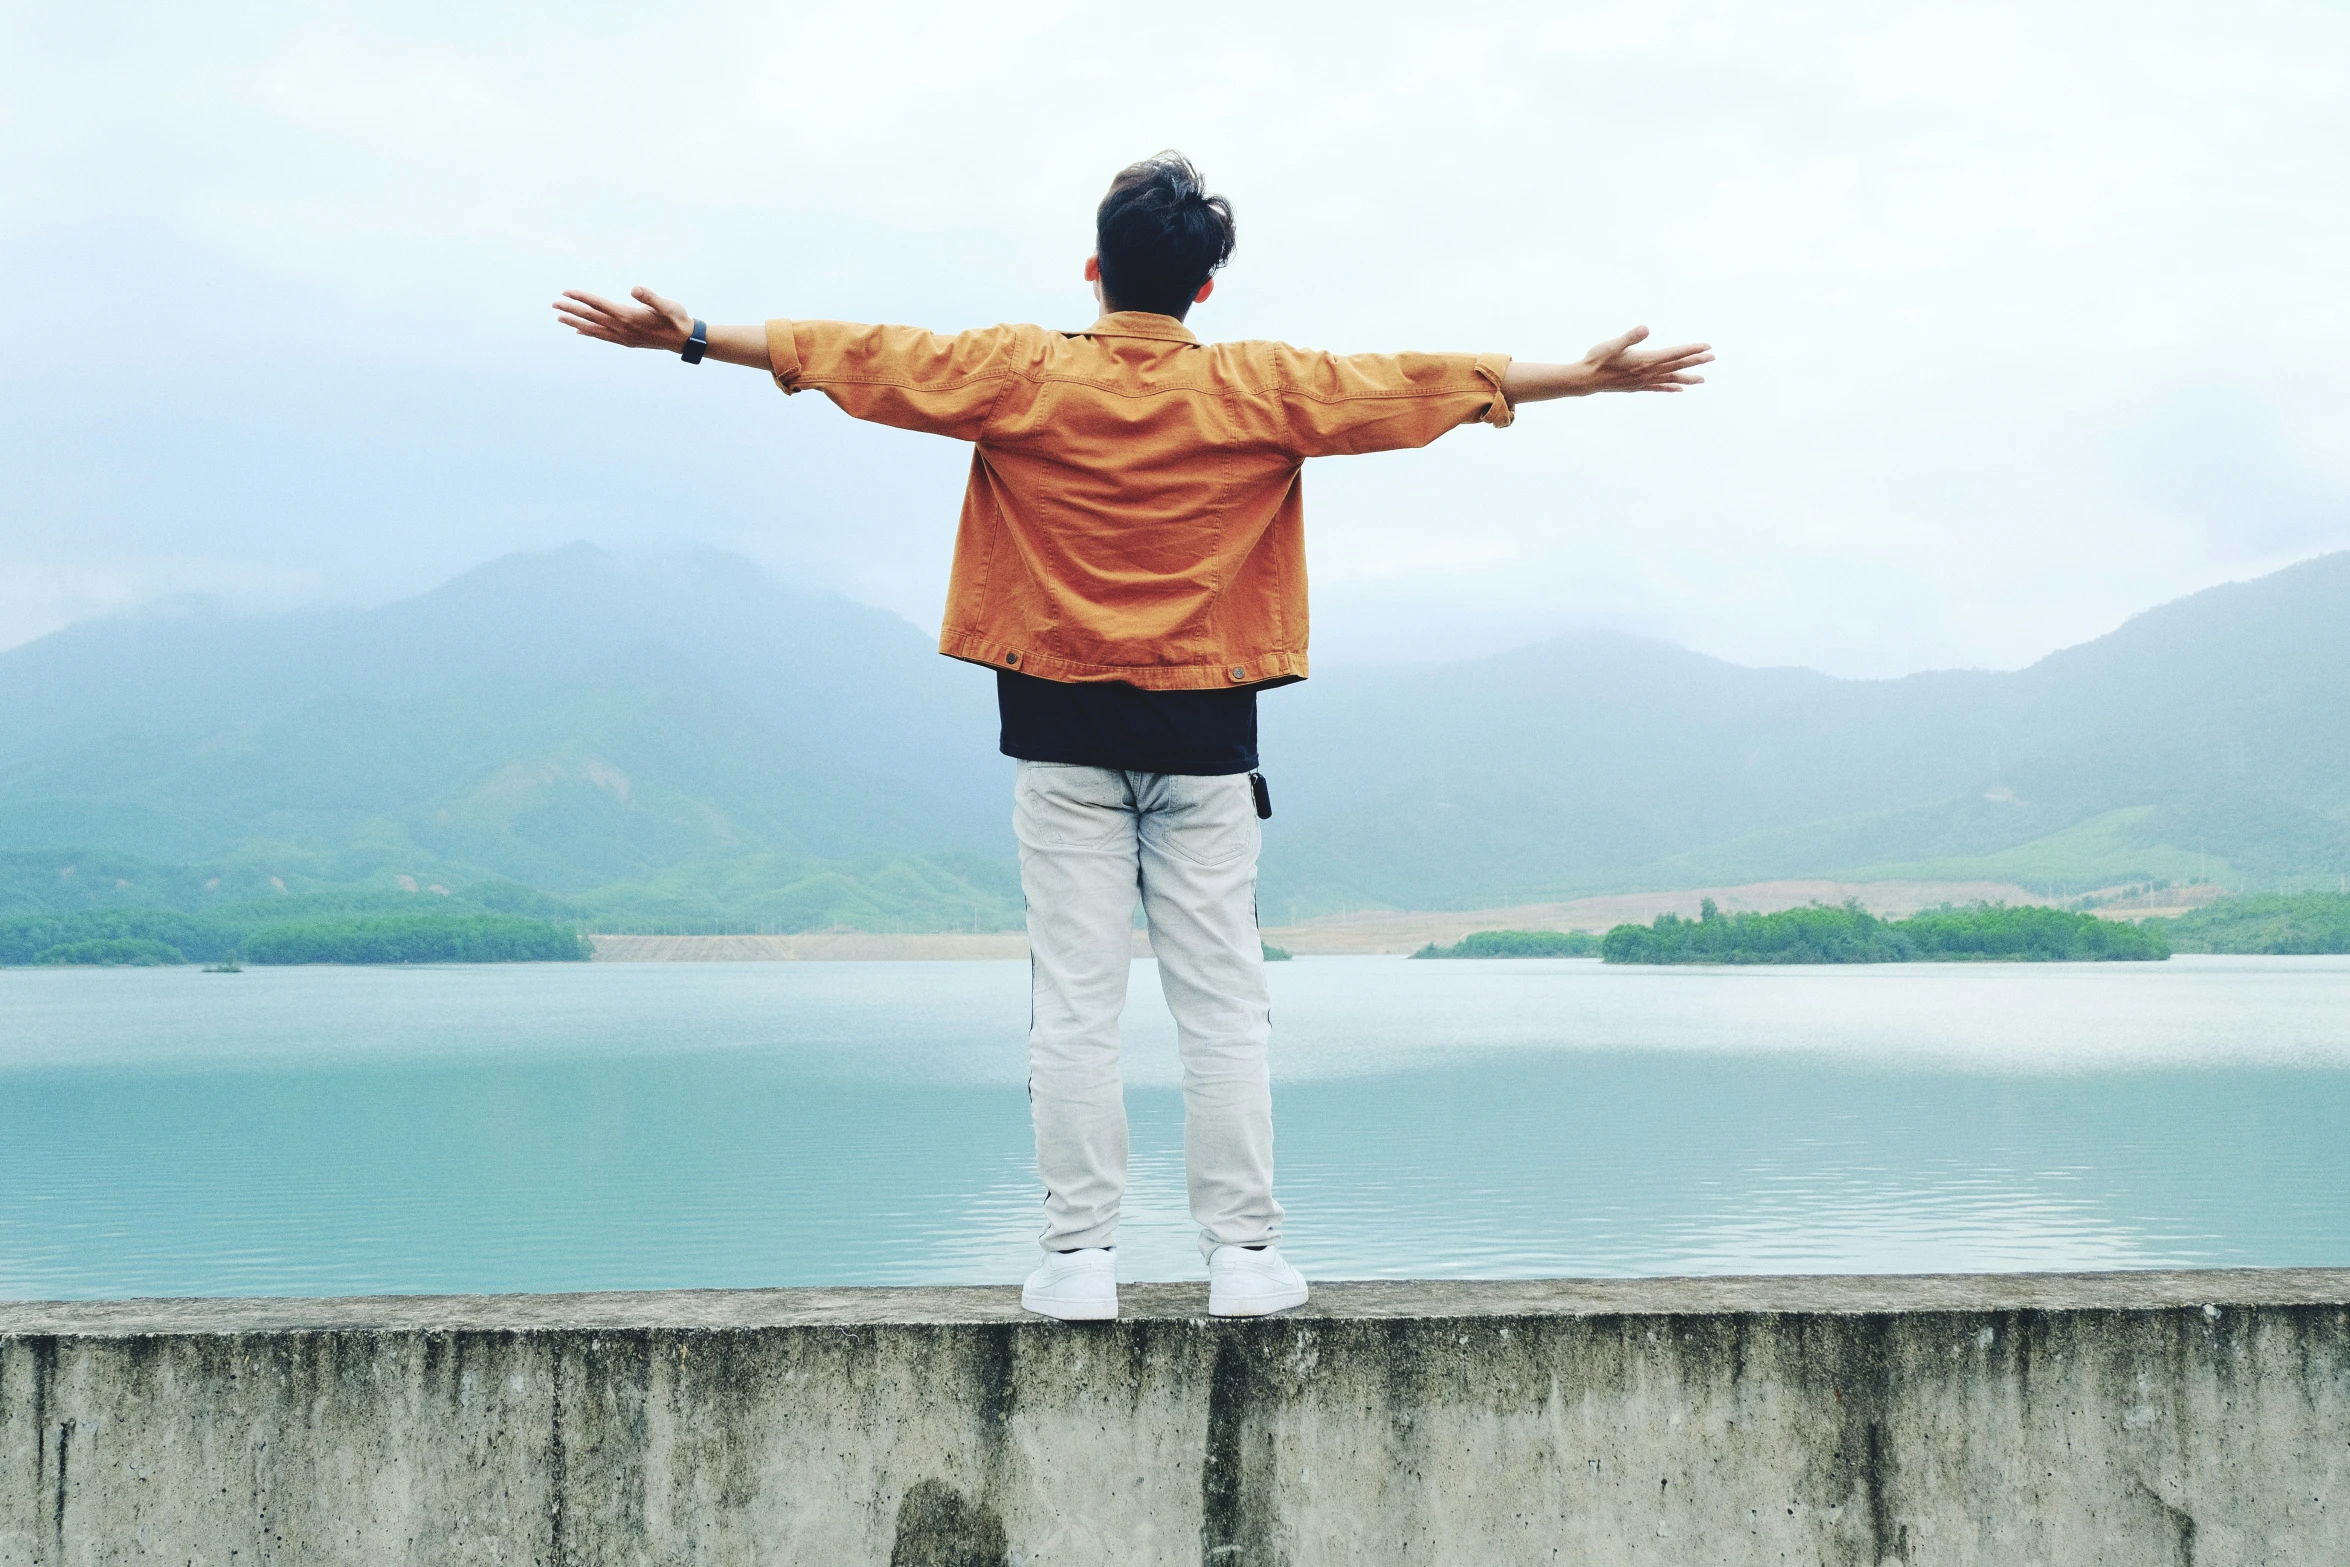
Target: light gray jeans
(1091, 840)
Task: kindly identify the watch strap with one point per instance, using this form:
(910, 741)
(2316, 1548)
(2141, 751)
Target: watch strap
(697, 344)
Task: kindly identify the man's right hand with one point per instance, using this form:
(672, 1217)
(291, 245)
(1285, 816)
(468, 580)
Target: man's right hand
(1617, 365)
(652, 322)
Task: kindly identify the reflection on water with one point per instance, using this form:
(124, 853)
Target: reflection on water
(342, 1131)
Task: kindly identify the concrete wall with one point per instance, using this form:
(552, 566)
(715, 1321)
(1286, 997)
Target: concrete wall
(2007, 1421)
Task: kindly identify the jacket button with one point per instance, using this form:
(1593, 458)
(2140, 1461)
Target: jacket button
(1239, 672)
(1012, 659)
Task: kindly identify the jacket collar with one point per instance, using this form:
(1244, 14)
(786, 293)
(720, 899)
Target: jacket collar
(1139, 323)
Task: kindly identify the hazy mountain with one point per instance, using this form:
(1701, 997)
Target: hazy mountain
(816, 665)
(691, 737)
(2216, 725)
(565, 720)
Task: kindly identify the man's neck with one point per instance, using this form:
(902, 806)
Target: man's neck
(1111, 307)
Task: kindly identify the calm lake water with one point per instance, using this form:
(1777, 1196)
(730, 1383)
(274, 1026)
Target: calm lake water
(564, 1127)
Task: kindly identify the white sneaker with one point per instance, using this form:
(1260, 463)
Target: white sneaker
(1244, 1283)
(1075, 1286)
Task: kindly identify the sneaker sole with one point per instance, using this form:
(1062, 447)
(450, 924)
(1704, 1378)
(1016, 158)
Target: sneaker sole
(1256, 1305)
(1070, 1310)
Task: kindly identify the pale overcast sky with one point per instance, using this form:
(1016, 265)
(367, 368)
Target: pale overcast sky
(2030, 316)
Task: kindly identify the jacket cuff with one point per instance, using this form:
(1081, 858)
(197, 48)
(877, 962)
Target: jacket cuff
(783, 352)
(1492, 367)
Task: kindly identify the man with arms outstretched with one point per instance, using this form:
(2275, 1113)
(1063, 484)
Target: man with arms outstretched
(1131, 564)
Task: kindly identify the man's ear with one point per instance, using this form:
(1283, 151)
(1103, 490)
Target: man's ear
(1205, 289)
(1093, 269)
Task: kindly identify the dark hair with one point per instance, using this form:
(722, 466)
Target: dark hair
(1160, 236)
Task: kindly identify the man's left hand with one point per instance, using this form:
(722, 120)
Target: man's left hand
(652, 322)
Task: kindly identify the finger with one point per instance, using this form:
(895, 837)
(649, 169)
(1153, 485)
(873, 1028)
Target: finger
(645, 296)
(1613, 349)
(580, 312)
(599, 323)
(1674, 358)
(592, 328)
(593, 302)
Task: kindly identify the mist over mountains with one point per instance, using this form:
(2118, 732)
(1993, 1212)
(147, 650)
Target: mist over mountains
(689, 738)
(686, 728)
(2209, 735)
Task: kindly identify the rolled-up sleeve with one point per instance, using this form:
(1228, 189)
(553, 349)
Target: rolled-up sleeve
(898, 375)
(1338, 404)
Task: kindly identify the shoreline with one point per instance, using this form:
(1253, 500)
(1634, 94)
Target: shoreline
(1374, 932)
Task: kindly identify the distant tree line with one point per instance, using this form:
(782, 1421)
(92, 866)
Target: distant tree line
(1851, 934)
(147, 937)
(2294, 923)
(115, 952)
(1517, 944)
(767, 894)
(419, 938)
(115, 935)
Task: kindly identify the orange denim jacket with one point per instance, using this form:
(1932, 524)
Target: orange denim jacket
(1135, 510)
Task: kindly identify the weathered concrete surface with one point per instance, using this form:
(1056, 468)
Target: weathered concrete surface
(2010, 1420)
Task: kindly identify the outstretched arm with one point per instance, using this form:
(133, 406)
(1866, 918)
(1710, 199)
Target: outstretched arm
(1613, 366)
(654, 322)
(893, 375)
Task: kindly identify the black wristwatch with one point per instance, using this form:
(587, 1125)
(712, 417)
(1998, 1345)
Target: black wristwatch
(697, 344)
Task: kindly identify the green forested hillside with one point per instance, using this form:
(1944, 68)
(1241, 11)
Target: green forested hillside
(618, 770)
(2306, 923)
(332, 928)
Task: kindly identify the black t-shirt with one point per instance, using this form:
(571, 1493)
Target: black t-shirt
(1113, 724)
